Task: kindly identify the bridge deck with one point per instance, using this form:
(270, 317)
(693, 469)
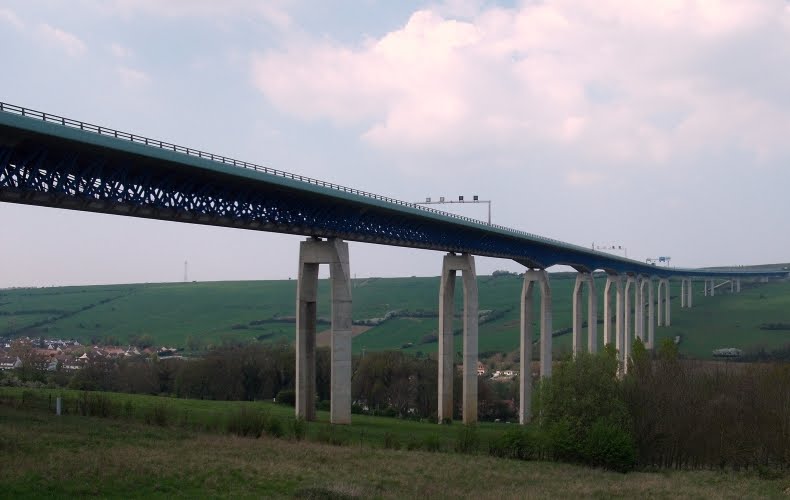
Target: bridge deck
(54, 161)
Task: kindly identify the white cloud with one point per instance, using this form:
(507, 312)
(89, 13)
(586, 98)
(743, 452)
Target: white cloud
(272, 11)
(120, 51)
(618, 81)
(69, 43)
(9, 17)
(132, 78)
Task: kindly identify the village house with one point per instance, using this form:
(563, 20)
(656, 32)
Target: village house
(10, 363)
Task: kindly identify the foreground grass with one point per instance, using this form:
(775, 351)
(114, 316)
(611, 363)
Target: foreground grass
(43, 456)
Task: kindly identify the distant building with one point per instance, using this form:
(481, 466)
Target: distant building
(10, 363)
(728, 352)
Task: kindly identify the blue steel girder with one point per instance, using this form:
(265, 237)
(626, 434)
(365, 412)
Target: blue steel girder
(43, 165)
(43, 175)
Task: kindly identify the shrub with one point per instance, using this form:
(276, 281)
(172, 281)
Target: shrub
(273, 426)
(335, 435)
(287, 397)
(563, 442)
(610, 446)
(515, 443)
(247, 423)
(158, 415)
(128, 409)
(468, 439)
(299, 428)
(96, 405)
(391, 441)
(431, 442)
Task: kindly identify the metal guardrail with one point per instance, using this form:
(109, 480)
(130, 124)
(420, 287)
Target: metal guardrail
(117, 134)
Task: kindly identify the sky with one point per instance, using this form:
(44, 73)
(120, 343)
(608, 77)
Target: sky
(661, 127)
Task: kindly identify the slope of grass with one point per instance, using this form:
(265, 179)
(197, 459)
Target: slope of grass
(213, 312)
(44, 456)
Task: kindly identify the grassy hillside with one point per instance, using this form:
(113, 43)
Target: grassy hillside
(212, 312)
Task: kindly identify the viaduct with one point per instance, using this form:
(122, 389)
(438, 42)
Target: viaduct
(52, 161)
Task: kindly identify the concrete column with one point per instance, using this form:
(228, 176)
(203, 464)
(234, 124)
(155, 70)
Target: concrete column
(712, 288)
(732, 285)
(690, 293)
(578, 289)
(641, 285)
(446, 346)
(307, 287)
(545, 325)
(525, 368)
(628, 334)
(682, 293)
(533, 278)
(466, 264)
(335, 253)
(738, 285)
(705, 288)
(659, 304)
(607, 309)
(592, 315)
(471, 324)
(651, 315)
(667, 303)
(619, 312)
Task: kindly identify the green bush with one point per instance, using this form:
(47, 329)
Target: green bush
(334, 435)
(564, 444)
(391, 441)
(247, 423)
(610, 446)
(96, 405)
(468, 439)
(158, 415)
(432, 443)
(273, 426)
(299, 428)
(516, 443)
(287, 397)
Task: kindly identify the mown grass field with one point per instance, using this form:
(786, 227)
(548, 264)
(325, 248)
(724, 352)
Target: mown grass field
(42, 455)
(213, 312)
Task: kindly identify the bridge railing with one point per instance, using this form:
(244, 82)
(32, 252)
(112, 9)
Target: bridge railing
(139, 139)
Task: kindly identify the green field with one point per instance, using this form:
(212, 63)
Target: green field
(44, 456)
(214, 312)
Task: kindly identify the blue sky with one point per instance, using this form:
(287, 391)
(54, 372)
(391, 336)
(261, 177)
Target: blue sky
(662, 127)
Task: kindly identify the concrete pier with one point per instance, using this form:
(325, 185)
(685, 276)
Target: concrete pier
(682, 293)
(712, 288)
(312, 253)
(532, 279)
(651, 316)
(619, 318)
(592, 314)
(639, 311)
(628, 334)
(667, 303)
(659, 302)
(738, 285)
(607, 309)
(466, 264)
(689, 293)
